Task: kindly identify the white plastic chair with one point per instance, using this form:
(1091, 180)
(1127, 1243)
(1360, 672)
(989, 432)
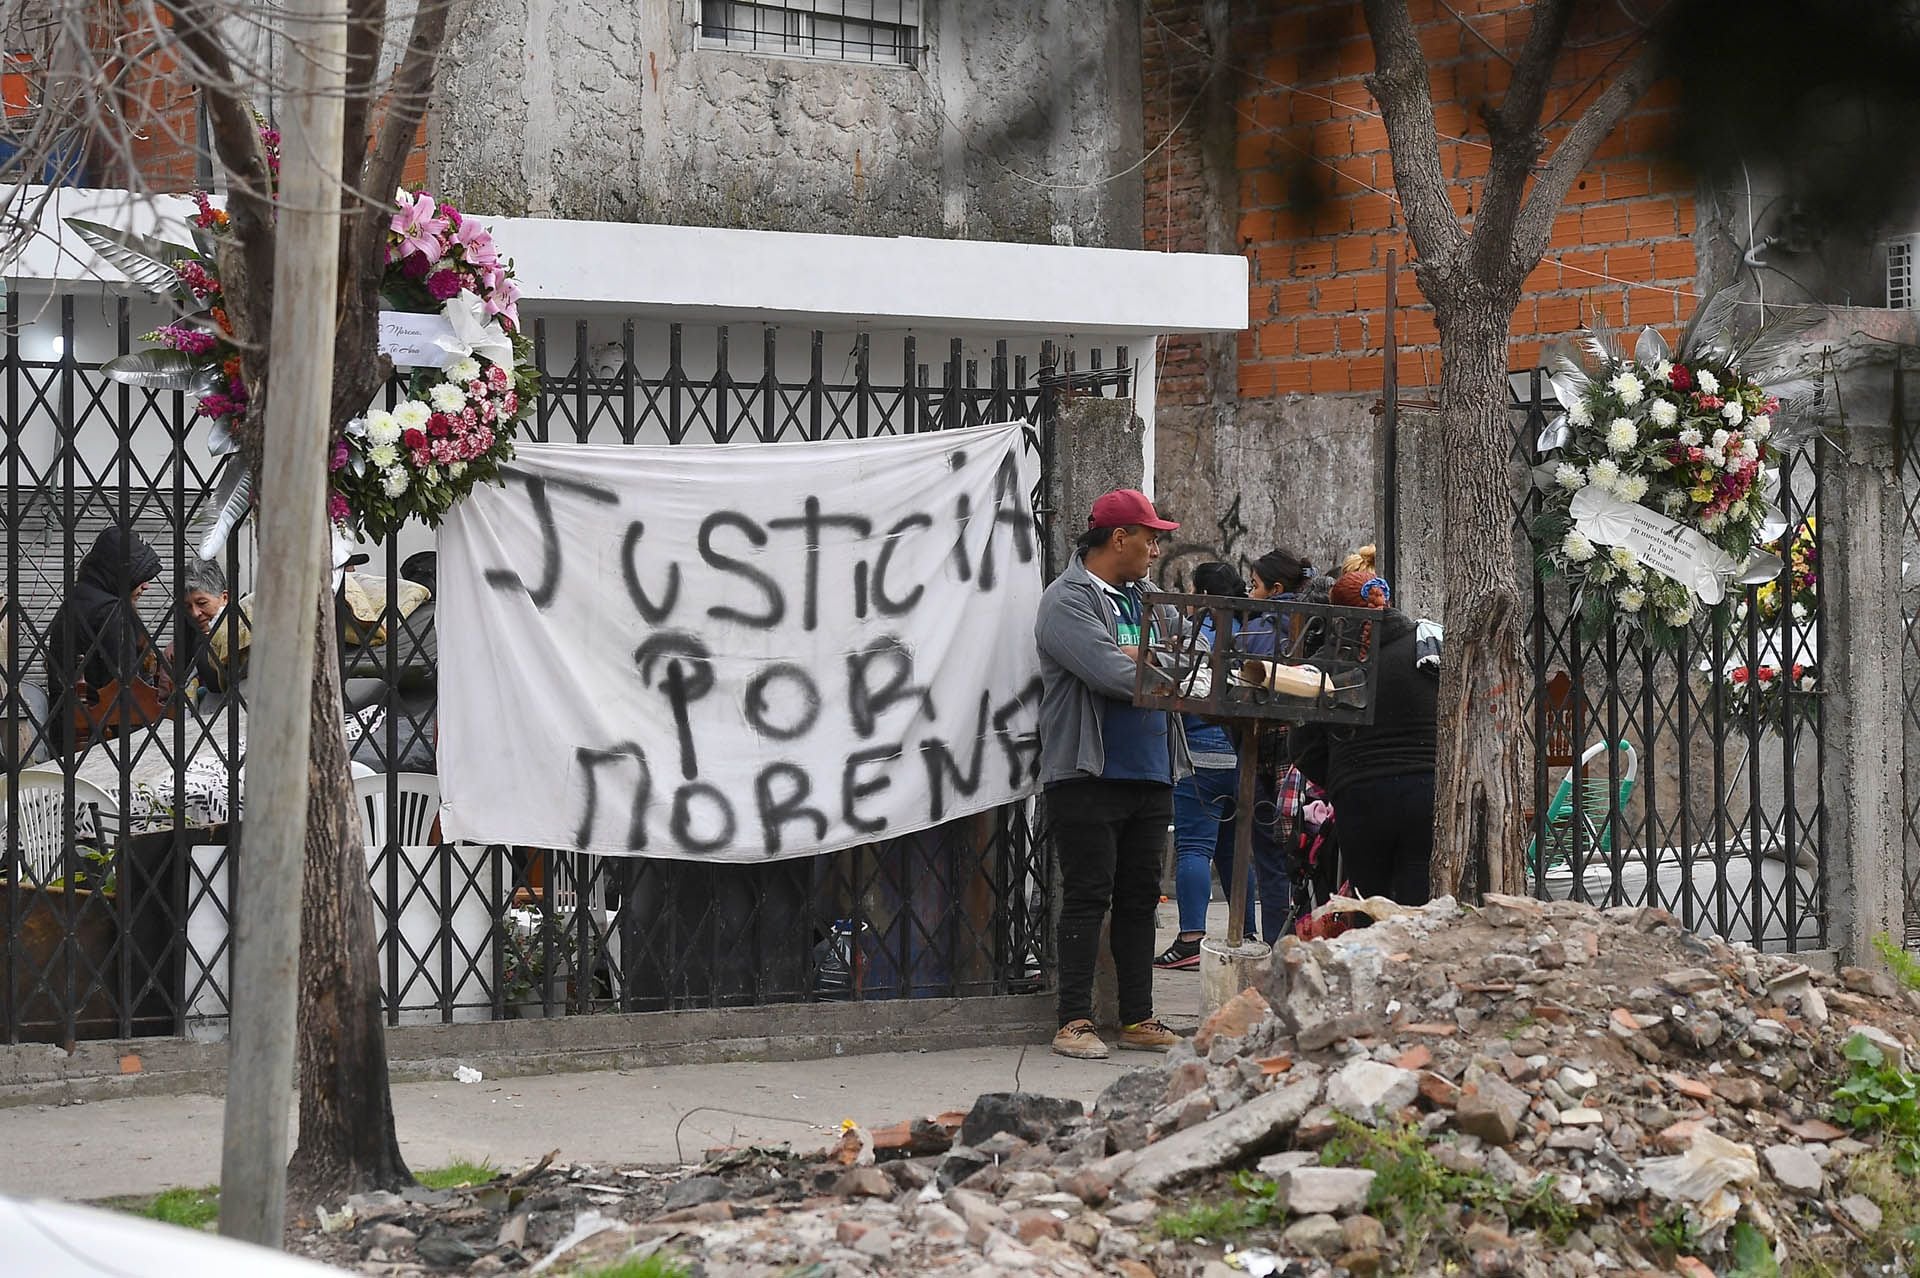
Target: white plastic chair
(359, 769)
(40, 800)
(418, 806)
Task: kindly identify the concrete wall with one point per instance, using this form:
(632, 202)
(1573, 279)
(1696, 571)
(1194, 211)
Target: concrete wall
(609, 109)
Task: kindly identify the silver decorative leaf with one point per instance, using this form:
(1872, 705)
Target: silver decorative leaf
(1563, 358)
(1780, 343)
(1556, 435)
(1543, 474)
(157, 368)
(1761, 567)
(1773, 524)
(232, 500)
(1601, 342)
(1651, 348)
(1709, 332)
(143, 259)
(220, 440)
(1570, 387)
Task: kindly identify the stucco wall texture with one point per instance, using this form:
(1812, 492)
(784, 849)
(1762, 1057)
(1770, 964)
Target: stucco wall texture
(1020, 122)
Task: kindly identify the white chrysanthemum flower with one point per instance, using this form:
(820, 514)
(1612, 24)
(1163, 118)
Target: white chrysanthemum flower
(1799, 612)
(457, 469)
(1691, 437)
(1636, 574)
(383, 456)
(1604, 474)
(1622, 558)
(1761, 426)
(1631, 599)
(464, 370)
(1568, 476)
(1628, 388)
(1673, 501)
(1663, 413)
(1720, 438)
(1680, 616)
(1622, 434)
(1716, 457)
(1663, 370)
(1749, 450)
(447, 398)
(1580, 414)
(1631, 488)
(1709, 384)
(1713, 523)
(412, 415)
(381, 428)
(1576, 547)
(394, 482)
(1732, 412)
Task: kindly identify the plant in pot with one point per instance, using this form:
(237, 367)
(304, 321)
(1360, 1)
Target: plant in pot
(535, 957)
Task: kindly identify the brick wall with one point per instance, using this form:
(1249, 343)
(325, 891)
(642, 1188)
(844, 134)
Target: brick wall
(1317, 214)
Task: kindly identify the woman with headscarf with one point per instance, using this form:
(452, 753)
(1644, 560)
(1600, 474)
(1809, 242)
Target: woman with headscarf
(1381, 775)
(96, 636)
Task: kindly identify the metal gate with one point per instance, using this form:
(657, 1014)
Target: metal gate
(1689, 780)
(118, 904)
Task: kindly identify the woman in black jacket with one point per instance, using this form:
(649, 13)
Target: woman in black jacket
(1380, 775)
(96, 636)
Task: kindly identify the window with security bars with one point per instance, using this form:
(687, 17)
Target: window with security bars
(886, 32)
(1900, 274)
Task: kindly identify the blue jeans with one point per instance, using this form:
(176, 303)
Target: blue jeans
(1203, 843)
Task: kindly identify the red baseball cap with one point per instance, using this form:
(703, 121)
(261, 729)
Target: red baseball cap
(1124, 506)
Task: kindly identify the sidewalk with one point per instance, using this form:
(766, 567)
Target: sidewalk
(667, 1114)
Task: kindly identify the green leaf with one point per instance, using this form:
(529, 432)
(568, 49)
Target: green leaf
(1861, 1048)
(144, 259)
(1752, 1253)
(156, 369)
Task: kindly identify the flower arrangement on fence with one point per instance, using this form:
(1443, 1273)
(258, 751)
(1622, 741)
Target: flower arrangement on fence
(1765, 689)
(453, 426)
(1657, 495)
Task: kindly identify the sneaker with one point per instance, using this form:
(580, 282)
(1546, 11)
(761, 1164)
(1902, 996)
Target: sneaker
(1150, 1035)
(1077, 1039)
(1179, 956)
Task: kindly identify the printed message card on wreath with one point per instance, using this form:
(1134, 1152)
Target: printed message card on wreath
(740, 652)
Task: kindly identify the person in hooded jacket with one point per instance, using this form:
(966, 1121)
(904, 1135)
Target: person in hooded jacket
(1381, 775)
(96, 635)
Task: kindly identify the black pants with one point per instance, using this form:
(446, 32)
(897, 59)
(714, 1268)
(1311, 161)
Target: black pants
(1386, 835)
(1111, 837)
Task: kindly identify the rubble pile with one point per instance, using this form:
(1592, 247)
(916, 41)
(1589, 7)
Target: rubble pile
(1530, 1088)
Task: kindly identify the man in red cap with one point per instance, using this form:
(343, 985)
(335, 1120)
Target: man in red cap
(1108, 767)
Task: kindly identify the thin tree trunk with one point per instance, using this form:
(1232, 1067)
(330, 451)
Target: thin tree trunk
(347, 1140)
(1483, 687)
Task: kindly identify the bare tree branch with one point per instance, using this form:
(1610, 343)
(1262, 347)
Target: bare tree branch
(366, 27)
(1535, 223)
(406, 108)
(1400, 76)
(1515, 133)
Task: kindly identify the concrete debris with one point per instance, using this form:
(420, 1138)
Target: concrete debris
(1601, 1093)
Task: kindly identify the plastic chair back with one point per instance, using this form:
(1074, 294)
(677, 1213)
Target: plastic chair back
(41, 801)
(417, 806)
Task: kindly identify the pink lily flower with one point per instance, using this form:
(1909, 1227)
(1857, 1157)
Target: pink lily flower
(504, 301)
(476, 245)
(418, 225)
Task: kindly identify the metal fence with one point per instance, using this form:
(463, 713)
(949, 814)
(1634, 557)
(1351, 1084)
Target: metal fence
(1690, 779)
(117, 877)
(1906, 440)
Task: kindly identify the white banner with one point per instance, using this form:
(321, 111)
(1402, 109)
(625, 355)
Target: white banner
(739, 652)
(1671, 549)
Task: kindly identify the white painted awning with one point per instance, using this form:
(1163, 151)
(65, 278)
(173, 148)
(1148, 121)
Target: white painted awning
(722, 273)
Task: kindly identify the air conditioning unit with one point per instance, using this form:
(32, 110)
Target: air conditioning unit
(1903, 273)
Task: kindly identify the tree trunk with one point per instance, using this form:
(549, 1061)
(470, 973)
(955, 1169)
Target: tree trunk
(1478, 816)
(347, 1141)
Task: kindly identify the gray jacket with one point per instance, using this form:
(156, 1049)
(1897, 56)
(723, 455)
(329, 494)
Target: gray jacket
(1078, 633)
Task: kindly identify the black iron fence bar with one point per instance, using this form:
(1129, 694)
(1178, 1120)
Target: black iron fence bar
(15, 758)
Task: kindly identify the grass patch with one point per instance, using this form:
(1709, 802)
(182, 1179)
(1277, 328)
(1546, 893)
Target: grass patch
(1904, 966)
(1418, 1196)
(1674, 1232)
(654, 1266)
(188, 1208)
(456, 1174)
(1252, 1207)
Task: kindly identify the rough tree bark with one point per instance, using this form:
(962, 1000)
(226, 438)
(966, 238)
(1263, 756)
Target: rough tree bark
(1473, 277)
(347, 1138)
(347, 1141)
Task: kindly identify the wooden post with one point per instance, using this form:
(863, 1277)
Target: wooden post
(1243, 836)
(293, 537)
